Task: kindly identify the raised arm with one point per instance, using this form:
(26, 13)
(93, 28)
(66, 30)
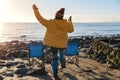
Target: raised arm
(71, 28)
(42, 20)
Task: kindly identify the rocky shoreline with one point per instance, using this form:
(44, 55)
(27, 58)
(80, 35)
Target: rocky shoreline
(14, 61)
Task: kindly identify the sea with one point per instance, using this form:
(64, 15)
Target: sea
(36, 32)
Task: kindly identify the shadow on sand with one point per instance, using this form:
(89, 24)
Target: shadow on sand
(71, 77)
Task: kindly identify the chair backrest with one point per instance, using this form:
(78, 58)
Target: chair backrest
(36, 49)
(72, 48)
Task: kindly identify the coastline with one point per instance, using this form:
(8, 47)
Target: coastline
(35, 31)
(88, 68)
(25, 38)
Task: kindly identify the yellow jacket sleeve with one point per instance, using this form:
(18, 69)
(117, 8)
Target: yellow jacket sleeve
(70, 29)
(42, 20)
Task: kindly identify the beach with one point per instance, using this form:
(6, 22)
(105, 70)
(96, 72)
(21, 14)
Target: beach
(15, 67)
(96, 66)
(88, 70)
(91, 29)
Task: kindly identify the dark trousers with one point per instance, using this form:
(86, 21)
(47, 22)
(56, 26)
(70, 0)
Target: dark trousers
(57, 53)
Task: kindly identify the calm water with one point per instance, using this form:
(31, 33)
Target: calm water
(35, 31)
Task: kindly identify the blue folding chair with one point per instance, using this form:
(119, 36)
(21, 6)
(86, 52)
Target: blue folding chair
(36, 51)
(72, 52)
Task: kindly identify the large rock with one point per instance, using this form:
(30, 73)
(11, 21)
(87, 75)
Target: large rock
(21, 71)
(1, 78)
(8, 74)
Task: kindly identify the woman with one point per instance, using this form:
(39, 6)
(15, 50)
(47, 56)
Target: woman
(56, 36)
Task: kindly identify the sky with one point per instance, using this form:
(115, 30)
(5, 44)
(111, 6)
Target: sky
(80, 10)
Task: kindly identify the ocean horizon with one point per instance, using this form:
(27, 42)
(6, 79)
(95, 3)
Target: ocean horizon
(35, 31)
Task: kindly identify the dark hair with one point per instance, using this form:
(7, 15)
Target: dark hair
(60, 17)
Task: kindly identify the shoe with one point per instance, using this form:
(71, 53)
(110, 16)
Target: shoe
(63, 65)
(56, 76)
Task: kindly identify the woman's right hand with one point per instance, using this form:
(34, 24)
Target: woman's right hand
(70, 18)
(34, 6)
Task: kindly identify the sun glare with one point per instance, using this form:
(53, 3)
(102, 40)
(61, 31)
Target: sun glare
(2, 2)
(2, 7)
(0, 29)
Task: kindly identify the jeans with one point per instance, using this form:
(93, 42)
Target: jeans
(55, 58)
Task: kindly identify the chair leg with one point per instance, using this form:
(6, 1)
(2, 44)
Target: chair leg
(43, 64)
(74, 60)
(29, 64)
(77, 60)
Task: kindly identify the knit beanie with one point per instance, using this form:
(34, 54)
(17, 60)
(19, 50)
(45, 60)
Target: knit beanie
(60, 13)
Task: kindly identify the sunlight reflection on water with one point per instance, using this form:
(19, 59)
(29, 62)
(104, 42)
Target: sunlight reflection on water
(1, 30)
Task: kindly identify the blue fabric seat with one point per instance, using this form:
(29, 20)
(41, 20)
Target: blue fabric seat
(72, 52)
(36, 51)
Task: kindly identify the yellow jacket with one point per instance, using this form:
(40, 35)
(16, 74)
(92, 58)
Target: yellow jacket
(56, 30)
